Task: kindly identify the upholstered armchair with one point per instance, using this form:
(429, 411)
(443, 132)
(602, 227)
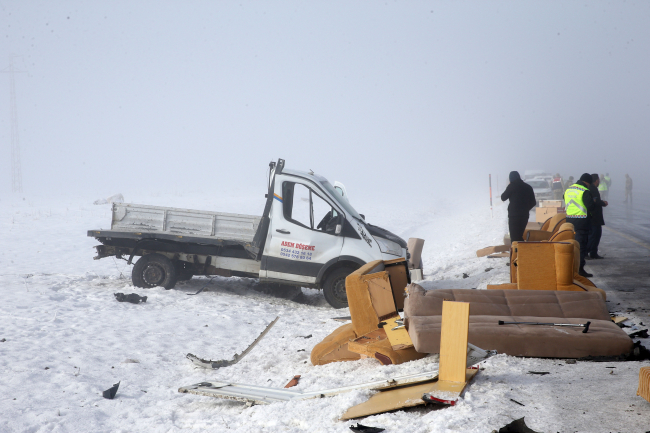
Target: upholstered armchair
(546, 266)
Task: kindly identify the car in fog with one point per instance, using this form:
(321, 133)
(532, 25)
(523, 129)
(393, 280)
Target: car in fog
(541, 188)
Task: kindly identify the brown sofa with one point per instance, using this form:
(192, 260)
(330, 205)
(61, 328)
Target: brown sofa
(423, 309)
(546, 266)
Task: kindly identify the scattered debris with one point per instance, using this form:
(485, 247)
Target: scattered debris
(517, 426)
(515, 401)
(305, 336)
(263, 394)
(571, 361)
(198, 291)
(572, 325)
(47, 368)
(130, 361)
(110, 392)
(465, 275)
(365, 429)
(455, 357)
(300, 350)
(619, 319)
(488, 269)
(342, 318)
(133, 298)
(639, 334)
(293, 382)
(541, 373)
(224, 362)
(3, 340)
(638, 353)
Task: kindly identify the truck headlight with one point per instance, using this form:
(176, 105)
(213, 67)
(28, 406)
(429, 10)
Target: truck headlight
(388, 247)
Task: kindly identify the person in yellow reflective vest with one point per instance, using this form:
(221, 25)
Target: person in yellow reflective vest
(579, 207)
(603, 187)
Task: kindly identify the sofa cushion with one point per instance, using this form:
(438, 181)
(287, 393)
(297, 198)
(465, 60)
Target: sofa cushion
(538, 303)
(603, 339)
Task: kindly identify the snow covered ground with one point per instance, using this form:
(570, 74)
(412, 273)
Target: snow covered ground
(65, 338)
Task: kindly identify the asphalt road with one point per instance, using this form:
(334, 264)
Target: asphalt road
(625, 272)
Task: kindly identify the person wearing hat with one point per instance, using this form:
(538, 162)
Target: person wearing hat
(597, 219)
(579, 208)
(557, 186)
(603, 186)
(522, 200)
(568, 183)
(628, 187)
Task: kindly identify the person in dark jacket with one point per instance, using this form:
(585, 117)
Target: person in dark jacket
(522, 200)
(597, 219)
(582, 223)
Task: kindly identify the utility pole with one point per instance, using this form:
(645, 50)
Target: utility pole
(16, 172)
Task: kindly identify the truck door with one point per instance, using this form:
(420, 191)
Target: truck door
(302, 233)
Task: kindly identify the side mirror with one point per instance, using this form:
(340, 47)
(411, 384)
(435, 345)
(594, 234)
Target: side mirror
(338, 229)
(362, 216)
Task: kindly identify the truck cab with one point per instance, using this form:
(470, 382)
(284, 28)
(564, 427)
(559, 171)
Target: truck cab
(315, 237)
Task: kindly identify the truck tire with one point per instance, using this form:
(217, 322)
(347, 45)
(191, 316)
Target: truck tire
(154, 270)
(334, 287)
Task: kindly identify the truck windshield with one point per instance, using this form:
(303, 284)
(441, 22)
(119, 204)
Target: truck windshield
(337, 196)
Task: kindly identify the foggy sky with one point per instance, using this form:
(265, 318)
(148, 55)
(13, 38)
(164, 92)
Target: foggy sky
(383, 96)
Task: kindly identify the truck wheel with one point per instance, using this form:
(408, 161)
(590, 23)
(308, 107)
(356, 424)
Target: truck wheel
(334, 288)
(154, 270)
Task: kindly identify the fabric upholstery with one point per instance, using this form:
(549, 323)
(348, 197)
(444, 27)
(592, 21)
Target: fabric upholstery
(547, 266)
(603, 339)
(548, 229)
(539, 303)
(334, 347)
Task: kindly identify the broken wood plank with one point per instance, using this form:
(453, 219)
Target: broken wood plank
(453, 341)
(447, 392)
(409, 396)
(399, 338)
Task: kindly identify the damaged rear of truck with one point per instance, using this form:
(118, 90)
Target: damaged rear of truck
(309, 235)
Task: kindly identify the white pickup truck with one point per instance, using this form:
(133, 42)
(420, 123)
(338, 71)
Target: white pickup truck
(308, 235)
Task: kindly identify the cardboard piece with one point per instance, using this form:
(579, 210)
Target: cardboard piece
(644, 383)
(491, 250)
(544, 213)
(551, 203)
(414, 246)
(619, 319)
